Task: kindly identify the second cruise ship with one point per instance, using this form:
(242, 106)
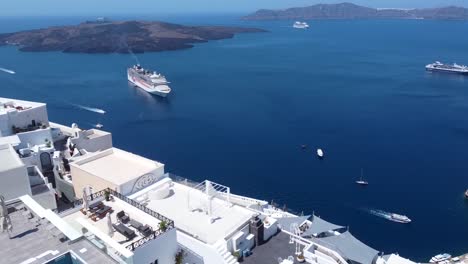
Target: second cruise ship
(150, 81)
(441, 67)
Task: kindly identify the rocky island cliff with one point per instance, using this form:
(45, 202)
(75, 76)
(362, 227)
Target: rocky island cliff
(352, 11)
(118, 37)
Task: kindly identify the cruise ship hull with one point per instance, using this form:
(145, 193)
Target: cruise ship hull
(433, 69)
(159, 90)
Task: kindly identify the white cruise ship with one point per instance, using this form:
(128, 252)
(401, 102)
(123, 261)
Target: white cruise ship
(441, 67)
(150, 81)
(300, 25)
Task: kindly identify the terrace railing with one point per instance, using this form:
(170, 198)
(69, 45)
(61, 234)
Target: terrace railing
(133, 246)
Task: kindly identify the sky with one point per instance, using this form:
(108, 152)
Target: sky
(109, 7)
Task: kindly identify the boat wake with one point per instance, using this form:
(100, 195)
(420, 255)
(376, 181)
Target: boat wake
(91, 109)
(380, 213)
(7, 71)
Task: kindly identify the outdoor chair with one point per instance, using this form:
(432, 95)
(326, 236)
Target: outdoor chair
(122, 217)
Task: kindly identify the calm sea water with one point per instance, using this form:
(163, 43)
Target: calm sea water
(241, 109)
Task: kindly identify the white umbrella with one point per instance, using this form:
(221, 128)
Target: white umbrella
(85, 200)
(110, 230)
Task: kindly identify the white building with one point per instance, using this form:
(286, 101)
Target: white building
(139, 239)
(17, 179)
(113, 168)
(18, 116)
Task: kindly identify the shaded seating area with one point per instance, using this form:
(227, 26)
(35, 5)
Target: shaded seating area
(286, 222)
(351, 248)
(318, 227)
(125, 231)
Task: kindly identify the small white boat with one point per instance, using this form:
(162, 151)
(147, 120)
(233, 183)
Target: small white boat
(466, 194)
(300, 25)
(361, 181)
(400, 218)
(440, 258)
(320, 153)
(99, 125)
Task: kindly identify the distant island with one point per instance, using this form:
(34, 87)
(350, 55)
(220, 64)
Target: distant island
(104, 36)
(352, 11)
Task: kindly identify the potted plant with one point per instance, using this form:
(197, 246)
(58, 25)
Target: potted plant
(179, 257)
(163, 226)
(300, 257)
(47, 142)
(237, 255)
(107, 195)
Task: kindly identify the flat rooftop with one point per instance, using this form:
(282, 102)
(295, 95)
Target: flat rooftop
(117, 205)
(9, 158)
(36, 244)
(116, 166)
(7, 104)
(276, 247)
(95, 133)
(194, 220)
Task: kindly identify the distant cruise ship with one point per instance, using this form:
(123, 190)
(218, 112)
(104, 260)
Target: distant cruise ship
(150, 81)
(455, 68)
(301, 25)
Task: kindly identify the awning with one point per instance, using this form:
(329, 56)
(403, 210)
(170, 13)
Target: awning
(285, 223)
(350, 248)
(319, 226)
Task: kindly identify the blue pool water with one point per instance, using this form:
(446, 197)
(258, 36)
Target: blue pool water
(67, 258)
(241, 109)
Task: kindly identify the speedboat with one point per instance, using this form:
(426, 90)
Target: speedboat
(440, 258)
(99, 125)
(400, 218)
(320, 153)
(300, 25)
(466, 194)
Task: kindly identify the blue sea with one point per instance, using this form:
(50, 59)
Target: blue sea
(241, 108)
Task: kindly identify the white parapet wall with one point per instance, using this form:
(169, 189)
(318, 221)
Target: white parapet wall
(163, 249)
(13, 174)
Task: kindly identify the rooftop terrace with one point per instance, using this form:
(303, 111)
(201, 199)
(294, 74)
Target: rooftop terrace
(188, 208)
(133, 224)
(7, 104)
(35, 241)
(277, 247)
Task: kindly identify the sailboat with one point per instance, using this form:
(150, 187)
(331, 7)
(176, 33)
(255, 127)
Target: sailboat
(361, 181)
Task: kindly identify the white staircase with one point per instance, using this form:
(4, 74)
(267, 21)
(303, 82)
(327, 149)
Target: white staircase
(220, 247)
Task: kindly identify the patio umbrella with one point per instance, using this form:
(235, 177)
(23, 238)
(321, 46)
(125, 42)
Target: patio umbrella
(5, 220)
(85, 200)
(110, 230)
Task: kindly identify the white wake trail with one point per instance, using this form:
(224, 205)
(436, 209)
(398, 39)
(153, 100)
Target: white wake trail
(91, 109)
(7, 71)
